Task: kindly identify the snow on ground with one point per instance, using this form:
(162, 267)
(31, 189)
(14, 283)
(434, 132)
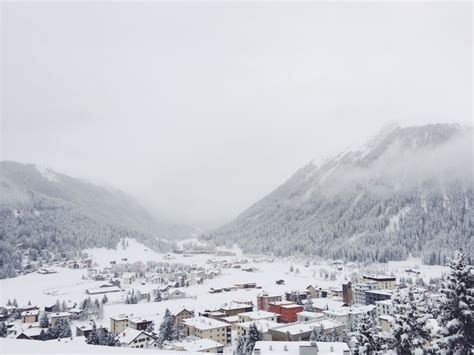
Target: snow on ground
(46, 173)
(67, 284)
(134, 252)
(66, 346)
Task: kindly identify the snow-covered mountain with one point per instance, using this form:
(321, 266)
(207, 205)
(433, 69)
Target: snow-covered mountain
(408, 191)
(45, 210)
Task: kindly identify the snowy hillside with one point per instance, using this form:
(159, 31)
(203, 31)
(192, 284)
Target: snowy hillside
(407, 191)
(44, 210)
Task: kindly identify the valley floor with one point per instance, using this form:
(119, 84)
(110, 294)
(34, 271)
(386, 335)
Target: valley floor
(68, 284)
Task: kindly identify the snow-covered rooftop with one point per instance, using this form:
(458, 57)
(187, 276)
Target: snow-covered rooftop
(303, 327)
(231, 319)
(198, 345)
(59, 315)
(314, 315)
(128, 335)
(350, 310)
(259, 315)
(293, 347)
(263, 325)
(326, 303)
(204, 323)
(293, 305)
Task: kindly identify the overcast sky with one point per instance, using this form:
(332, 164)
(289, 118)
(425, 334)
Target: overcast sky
(199, 110)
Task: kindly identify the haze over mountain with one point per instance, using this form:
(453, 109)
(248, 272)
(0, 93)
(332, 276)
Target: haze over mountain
(45, 210)
(408, 191)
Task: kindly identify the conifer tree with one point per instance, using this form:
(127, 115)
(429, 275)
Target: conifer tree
(166, 330)
(44, 321)
(457, 311)
(252, 337)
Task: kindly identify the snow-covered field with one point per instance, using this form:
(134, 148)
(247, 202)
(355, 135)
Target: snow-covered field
(68, 284)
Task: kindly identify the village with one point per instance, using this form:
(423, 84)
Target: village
(206, 301)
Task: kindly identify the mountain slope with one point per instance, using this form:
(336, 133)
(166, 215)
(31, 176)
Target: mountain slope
(407, 191)
(47, 211)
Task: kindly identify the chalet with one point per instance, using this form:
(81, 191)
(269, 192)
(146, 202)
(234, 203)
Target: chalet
(182, 315)
(313, 291)
(30, 316)
(133, 338)
(33, 333)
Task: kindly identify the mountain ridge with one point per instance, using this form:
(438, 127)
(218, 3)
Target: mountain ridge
(49, 212)
(323, 209)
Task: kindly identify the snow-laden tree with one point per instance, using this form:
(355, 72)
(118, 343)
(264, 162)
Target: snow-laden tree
(105, 299)
(158, 296)
(3, 329)
(251, 339)
(457, 310)
(166, 331)
(57, 306)
(308, 306)
(366, 335)
(410, 328)
(150, 328)
(296, 297)
(44, 321)
(318, 334)
(101, 336)
(61, 328)
(240, 346)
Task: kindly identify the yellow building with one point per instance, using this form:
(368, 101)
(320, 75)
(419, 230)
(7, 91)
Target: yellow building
(208, 328)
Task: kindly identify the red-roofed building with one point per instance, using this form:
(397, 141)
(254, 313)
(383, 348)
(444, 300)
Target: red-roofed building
(286, 310)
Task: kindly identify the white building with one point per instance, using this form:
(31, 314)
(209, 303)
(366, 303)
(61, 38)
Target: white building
(306, 316)
(300, 348)
(262, 325)
(200, 345)
(133, 338)
(349, 316)
(257, 315)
